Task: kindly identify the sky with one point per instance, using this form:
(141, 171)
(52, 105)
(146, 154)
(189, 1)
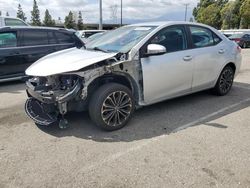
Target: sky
(133, 10)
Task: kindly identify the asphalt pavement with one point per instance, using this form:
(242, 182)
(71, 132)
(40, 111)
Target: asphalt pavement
(199, 140)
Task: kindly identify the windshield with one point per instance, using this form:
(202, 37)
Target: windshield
(95, 36)
(120, 40)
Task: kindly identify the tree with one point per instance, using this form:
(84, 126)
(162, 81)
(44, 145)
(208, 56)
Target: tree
(201, 5)
(210, 16)
(7, 14)
(209, 12)
(221, 3)
(80, 25)
(191, 19)
(227, 15)
(236, 17)
(20, 13)
(0, 13)
(245, 14)
(48, 21)
(69, 21)
(35, 15)
(59, 20)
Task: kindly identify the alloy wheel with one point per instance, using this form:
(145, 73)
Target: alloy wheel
(226, 80)
(116, 108)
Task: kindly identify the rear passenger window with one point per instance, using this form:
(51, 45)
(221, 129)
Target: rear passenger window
(217, 39)
(64, 38)
(34, 38)
(203, 37)
(8, 40)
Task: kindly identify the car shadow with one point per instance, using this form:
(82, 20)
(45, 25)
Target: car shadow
(14, 87)
(161, 118)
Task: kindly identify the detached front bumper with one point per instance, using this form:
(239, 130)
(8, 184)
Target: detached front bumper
(48, 107)
(39, 113)
(51, 97)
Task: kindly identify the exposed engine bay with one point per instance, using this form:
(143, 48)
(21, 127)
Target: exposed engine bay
(51, 97)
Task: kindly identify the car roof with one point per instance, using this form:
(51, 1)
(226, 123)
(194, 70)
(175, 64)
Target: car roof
(91, 30)
(166, 23)
(10, 17)
(33, 28)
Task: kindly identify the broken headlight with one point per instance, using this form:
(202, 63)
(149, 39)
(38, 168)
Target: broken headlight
(67, 81)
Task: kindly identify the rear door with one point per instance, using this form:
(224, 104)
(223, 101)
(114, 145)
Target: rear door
(208, 55)
(9, 54)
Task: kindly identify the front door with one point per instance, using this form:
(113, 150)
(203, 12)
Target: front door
(170, 74)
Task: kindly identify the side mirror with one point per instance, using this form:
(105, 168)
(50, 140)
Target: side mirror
(156, 49)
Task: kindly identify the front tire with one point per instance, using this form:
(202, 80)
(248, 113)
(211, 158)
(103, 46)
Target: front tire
(111, 106)
(224, 82)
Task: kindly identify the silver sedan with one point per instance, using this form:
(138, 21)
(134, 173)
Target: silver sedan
(130, 67)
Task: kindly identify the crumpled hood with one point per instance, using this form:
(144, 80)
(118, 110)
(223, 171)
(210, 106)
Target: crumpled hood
(72, 59)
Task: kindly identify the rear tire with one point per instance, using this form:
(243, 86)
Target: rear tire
(224, 82)
(111, 106)
(244, 45)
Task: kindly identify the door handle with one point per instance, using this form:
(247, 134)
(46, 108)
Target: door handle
(187, 58)
(221, 51)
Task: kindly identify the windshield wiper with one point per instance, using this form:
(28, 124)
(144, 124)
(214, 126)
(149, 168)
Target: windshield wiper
(100, 49)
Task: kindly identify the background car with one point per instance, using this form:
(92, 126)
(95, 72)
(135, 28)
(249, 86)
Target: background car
(85, 34)
(243, 40)
(95, 36)
(22, 46)
(8, 21)
(228, 35)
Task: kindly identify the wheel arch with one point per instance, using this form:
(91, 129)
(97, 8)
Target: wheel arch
(231, 64)
(117, 77)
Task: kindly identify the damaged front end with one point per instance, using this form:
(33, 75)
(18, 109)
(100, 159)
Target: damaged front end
(50, 98)
(65, 82)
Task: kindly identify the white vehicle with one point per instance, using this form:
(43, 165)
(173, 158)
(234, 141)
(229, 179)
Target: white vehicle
(133, 66)
(8, 21)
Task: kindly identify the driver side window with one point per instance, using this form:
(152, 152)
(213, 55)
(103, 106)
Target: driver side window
(172, 38)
